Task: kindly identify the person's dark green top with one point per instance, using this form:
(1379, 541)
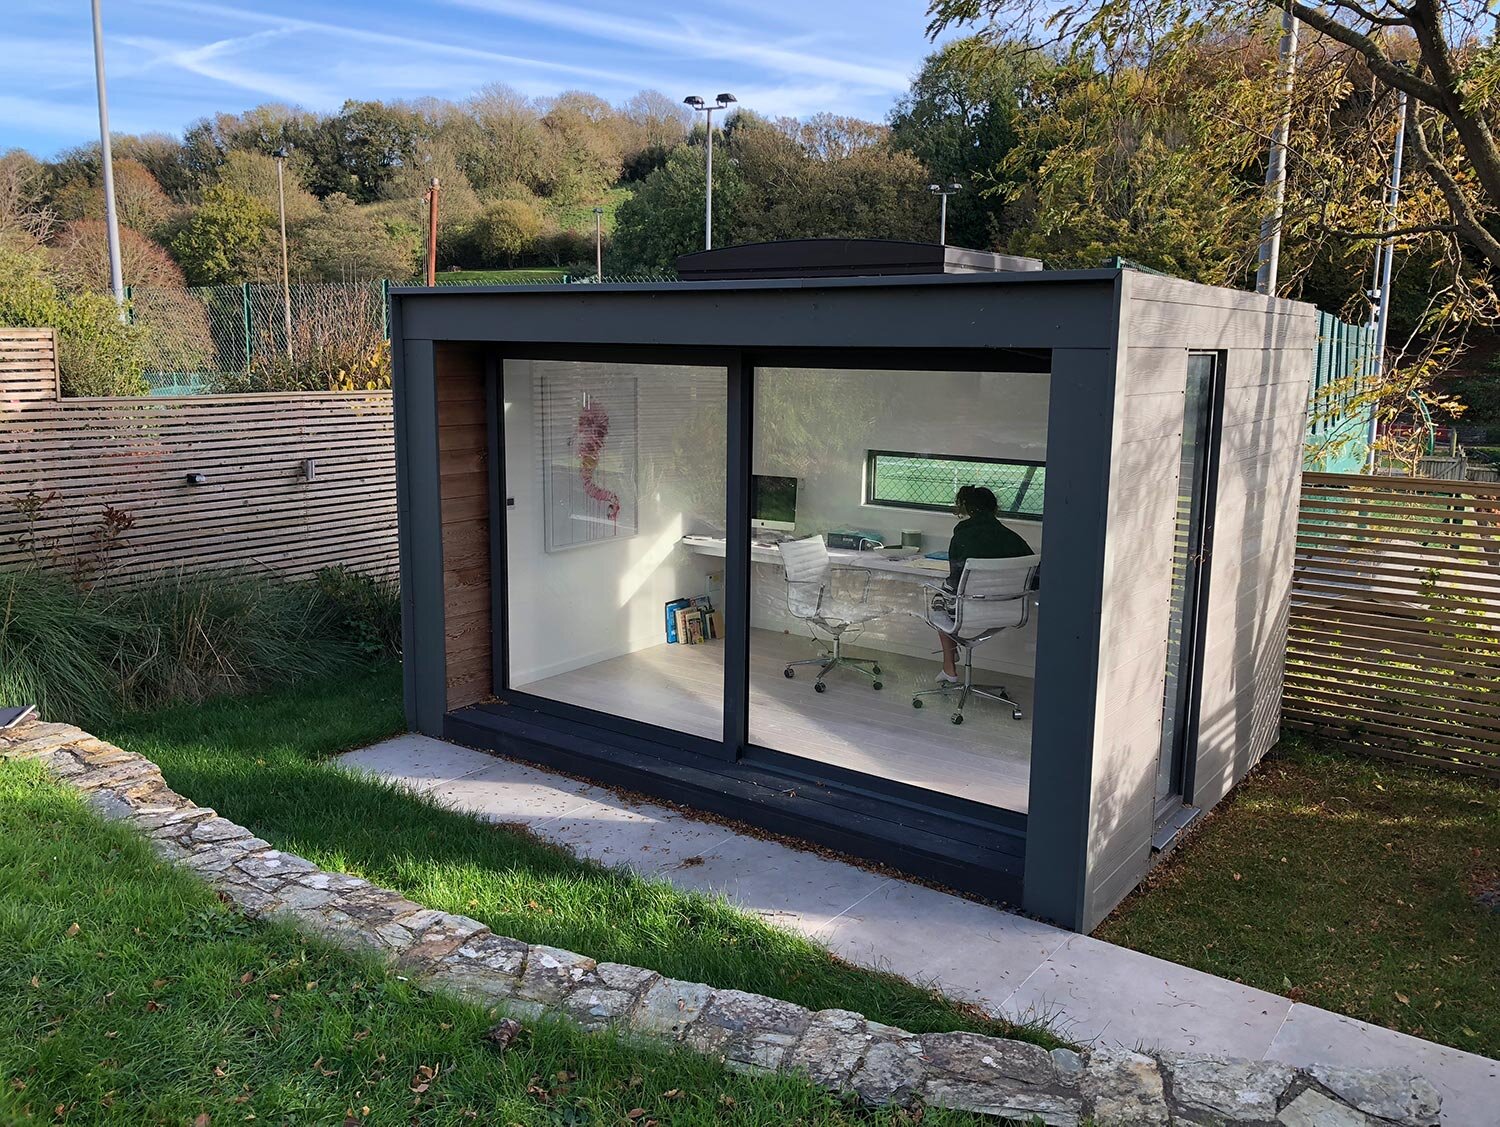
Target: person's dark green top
(982, 538)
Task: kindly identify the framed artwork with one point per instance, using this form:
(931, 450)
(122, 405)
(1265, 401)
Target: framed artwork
(590, 457)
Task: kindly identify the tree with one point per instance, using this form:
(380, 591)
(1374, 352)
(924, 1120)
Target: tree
(654, 125)
(664, 218)
(505, 229)
(961, 119)
(80, 258)
(253, 174)
(139, 200)
(224, 239)
(343, 242)
(24, 216)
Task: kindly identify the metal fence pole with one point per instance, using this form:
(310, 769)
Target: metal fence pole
(245, 302)
(385, 307)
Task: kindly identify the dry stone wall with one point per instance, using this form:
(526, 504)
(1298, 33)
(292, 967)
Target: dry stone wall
(835, 1049)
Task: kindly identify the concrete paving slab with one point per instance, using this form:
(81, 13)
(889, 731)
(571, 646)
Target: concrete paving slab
(973, 952)
(419, 762)
(502, 791)
(1103, 993)
(789, 887)
(647, 839)
(1470, 1084)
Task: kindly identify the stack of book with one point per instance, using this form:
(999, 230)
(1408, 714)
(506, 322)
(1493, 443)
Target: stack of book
(691, 622)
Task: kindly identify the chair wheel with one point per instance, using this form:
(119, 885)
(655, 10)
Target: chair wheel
(957, 718)
(1016, 715)
(876, 670)
(876, 685)
(819, 687)
(789, 673)
(916, 702)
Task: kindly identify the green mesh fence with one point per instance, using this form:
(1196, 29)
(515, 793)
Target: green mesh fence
(326, 336)
(919, 481)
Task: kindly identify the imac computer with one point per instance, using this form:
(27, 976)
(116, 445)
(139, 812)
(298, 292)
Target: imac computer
(773, 503)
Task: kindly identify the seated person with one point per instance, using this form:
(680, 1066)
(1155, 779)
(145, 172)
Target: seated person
(979, 536)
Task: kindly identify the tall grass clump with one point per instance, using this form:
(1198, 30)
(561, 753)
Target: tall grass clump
(86, 654)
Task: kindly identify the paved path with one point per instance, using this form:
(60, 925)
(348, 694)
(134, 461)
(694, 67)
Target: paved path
(1009, 965)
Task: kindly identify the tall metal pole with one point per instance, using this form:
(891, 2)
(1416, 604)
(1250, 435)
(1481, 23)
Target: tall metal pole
(286, 276)
(107, 160)
(943, 222)
(432, 225)
(1270, 226)
(708, 196)
(1387, 257)
(598, 244)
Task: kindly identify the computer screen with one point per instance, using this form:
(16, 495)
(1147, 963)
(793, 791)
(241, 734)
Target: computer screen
(773, 503)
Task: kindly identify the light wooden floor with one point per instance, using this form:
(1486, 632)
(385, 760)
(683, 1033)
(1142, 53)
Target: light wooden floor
(986, 759)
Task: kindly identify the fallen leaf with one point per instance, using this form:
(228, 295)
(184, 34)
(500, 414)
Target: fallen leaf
(158, 983)
(201, 1119)
(18, 1084)
(318, 1067)
(247, 977)
(635, 1113)
(361, 1035)
(73, 929)
(112, 1034)
(36, 981)
(445, 1026)
(1236, 876)
(1402, 998)
(313, 985)
(153, 1006)
(672, 1094)
(727, 1101)
(502, 1034)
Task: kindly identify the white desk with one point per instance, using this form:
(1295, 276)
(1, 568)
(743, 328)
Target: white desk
(906, 563)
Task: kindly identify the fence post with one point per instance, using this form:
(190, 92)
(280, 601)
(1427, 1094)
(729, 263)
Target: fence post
(245, 305)
(385, 307)
(129, 305)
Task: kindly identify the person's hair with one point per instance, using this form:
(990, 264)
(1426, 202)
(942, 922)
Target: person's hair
(978, 501)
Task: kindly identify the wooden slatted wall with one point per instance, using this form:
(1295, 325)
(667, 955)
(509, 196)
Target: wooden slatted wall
(464, 483)
(257, 507)
(1395, 628)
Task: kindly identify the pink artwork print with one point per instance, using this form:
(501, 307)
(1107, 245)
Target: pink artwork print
(592, 430)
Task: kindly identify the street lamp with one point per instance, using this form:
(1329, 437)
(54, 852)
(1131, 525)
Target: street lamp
(598, 244)
(107, 163)
(722, 102)
(944, 190)
(286, 276)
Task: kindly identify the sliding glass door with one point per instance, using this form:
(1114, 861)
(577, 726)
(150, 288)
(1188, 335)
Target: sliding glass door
(615, 523)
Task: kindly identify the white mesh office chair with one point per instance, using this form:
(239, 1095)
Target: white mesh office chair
(814, 595)
(992, 595)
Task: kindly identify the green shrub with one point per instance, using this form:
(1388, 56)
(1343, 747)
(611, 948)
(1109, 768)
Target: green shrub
(365, 610)
(96, 353)
(85, 655)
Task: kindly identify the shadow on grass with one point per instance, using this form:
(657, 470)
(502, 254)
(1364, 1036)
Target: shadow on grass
(262, 762)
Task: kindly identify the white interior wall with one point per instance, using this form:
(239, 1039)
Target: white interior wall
(572, 608)
(826, 422)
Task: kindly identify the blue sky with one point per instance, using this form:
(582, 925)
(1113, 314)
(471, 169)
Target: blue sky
(174, 61)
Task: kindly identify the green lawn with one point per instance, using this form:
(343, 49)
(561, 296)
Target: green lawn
(132, 995)
(499, 277)
(1345, 882)
(262, 762)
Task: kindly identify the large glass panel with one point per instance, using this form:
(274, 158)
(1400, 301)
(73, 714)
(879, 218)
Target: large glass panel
(853, 523)
(615, 479)
(1187, 569)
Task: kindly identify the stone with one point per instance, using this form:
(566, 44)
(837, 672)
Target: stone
(1124, 1089)
(1407, 1099)
(485, 970)
(110, 805)
(439, 938)
(1068, 1066)
(831, 1049)
(115, 776)
(892, 1070)
(1313, 1109)
(620, 976)
(668, 1008)
(1008, 1102)
(1227, 1091)
(594, 1006)
(217, 829)
(38, 738)
(973, 1057)
(551, 974)
(748, 1030)
(273, 867)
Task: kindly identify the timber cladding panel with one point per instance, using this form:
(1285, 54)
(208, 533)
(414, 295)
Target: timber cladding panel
(464, 483)
(257, 505)
(1394, 638)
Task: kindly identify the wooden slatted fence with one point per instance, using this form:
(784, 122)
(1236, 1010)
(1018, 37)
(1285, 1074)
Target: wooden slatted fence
(1394, 641)
(257, 506)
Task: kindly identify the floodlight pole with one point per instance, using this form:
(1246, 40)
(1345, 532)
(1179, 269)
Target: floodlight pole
(598, 244)
(286, 275)
(722, 102)
(107, 161)
(943, 191)
(1270, 226)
